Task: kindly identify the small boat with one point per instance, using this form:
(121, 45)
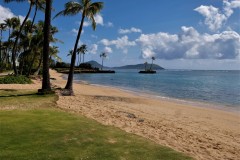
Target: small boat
(148, 72)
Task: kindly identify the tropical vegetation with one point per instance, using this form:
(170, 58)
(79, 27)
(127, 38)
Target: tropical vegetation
(87, 9)
(103, 55)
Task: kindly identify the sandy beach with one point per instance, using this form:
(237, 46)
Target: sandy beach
(202, 133)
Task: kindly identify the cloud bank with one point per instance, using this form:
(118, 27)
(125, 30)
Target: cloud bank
(214, 18)
(120, 43)
(190, 44)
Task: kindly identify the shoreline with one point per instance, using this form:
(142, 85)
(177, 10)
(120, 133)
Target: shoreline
(153, 95)
(202, 133)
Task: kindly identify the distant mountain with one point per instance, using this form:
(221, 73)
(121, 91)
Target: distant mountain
(137, 66)
(140, 67)
(95, 64)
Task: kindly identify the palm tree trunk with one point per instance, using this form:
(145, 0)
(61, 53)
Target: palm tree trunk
(1, 48)
(151, 66)
(83, 58)
(46, 87)
(78, 61)
(31, 64)
(102, 64)
(80, 58)
(35, 13)
(16, 41)
(71, 71)
(39, 66)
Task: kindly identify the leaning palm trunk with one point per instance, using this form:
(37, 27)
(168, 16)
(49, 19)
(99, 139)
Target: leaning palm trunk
(35, 13)
(151, 65)
(102, 64)
(39, 66)
(46, 87)
(71, 71)
(16, 40)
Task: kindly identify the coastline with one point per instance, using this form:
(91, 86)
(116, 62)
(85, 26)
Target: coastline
(153, 95)
(203, 133)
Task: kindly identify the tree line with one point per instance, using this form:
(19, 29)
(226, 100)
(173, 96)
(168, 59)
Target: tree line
(28, 43)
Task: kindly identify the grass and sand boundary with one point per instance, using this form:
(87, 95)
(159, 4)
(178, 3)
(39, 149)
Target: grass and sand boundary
(199, 132)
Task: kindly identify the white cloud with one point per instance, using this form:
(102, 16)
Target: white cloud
(93, 49)
(190, 45)
(230, 5)
(99, 21)
(131, 30)
(107, 50)
(109, 24)
(214, 18)
(75, 31)
(7, 13)
(21, 18)
(120, 43)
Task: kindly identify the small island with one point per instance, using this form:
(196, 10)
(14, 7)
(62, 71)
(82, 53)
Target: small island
(148, 71)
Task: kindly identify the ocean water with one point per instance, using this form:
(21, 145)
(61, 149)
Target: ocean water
(221, 88)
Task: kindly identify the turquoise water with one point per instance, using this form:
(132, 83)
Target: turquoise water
(217, 87)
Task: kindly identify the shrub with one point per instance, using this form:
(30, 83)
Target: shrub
(62, 65)
(85, 66)
(10, 79)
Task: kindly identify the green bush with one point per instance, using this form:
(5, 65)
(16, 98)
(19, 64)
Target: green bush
(85, 66)
(15, 80)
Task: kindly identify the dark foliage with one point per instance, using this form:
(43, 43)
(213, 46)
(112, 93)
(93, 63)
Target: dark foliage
(85, 66)
(62, 65)
(11, 79)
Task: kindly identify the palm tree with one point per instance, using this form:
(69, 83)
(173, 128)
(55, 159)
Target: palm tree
(20, 30)
(8, 23)
(2, 28)
(82, 50)
(153, 58)
(13, 25)
(39, 4)
(88, 9)
(46, 87)
(103, 55)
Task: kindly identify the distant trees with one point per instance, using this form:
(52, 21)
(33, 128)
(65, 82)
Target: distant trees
(14, 50)
(151, 66)
(81, 51)
(103, 55)
(29, 47)
(153, 58)
(88, 9)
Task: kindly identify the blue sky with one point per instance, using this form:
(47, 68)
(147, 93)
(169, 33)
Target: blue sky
(181, 34)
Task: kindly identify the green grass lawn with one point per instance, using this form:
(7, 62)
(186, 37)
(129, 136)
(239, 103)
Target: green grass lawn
(45, 132)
